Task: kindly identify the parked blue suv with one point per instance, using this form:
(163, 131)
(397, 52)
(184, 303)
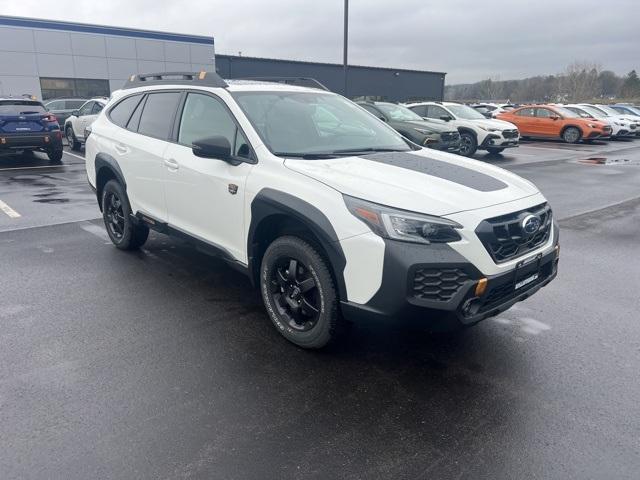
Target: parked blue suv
(26, 125)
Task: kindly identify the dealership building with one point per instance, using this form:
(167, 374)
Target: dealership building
(52, 59)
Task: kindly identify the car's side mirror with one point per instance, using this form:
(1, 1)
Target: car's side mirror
(216, 146)
(554, 117)
(383, 119)
(446, 118)
(76, 113)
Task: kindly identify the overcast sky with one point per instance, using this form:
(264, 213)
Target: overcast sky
(469, 39)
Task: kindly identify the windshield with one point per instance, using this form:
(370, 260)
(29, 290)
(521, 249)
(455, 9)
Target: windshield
(565, 112)
(594, 112)
(20, 107)
(465, 112)
(398, 112)
(315, 123)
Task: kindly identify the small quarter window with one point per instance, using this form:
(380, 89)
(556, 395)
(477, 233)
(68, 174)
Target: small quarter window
(121, 113)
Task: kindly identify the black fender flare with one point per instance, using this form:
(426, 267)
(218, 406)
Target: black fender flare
(269, 203)
(468, 130)
(103, 162)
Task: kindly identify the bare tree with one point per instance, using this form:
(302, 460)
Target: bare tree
(580, 81)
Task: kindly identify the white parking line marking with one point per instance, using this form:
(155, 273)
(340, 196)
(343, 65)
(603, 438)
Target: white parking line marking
(73, 155)
(8, 210)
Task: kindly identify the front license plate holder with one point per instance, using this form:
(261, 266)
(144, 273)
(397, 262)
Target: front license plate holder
(526, 272)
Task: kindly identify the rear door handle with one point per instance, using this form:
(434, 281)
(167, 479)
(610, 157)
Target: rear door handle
(171, 164)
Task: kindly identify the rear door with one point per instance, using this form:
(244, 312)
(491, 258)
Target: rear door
(139, 148)
(205, 196)
(525, 120)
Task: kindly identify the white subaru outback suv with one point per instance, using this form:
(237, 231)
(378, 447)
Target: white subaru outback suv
(332, 213)
(476, 131)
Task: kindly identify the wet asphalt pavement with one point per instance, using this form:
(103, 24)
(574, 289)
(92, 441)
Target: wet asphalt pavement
(163, 364)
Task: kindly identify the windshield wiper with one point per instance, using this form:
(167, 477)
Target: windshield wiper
(367, 150)
(306, 156)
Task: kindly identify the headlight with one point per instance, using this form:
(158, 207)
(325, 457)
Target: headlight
(402, 225)
(423, 131)
(591, 125)
(489, 129)
(620, 124)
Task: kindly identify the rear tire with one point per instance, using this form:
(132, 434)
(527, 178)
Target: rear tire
(55, 155)
(299, 293)
(74, 144)
(468, 144)
(571, 135)
(116, 213)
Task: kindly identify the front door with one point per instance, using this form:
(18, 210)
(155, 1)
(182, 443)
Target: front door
(205, 196)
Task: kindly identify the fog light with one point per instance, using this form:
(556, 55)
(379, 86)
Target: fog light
(46, 139)
(557, 251)
(481, 287)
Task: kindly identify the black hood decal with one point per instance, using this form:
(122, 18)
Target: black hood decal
(437, 168)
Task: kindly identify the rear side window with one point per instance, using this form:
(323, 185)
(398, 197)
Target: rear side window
(20, 107)
(157, 116)
(525, 112)
(121, 113)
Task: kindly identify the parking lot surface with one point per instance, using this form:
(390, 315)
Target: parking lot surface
(163, 364)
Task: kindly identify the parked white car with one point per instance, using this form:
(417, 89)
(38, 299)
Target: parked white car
(333, 218)
(79, 120)
(620, 127)
(476, 131)
(627, 125)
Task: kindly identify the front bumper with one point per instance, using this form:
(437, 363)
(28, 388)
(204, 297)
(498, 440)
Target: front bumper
(436, 286)
(493, 140)
(41, 140)
(451, 147)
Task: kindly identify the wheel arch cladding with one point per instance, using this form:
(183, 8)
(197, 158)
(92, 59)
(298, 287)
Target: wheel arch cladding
(107, 168)
(271, 207)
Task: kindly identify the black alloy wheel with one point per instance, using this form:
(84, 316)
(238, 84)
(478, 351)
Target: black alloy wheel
(468, 144)
(114, 215)
(295, 294)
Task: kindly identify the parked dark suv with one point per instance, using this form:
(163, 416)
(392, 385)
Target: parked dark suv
(26, 125)
(412, 126)
(62, 108)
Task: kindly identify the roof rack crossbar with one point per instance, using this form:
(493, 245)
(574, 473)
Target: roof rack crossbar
(206, 79)
(297, 81)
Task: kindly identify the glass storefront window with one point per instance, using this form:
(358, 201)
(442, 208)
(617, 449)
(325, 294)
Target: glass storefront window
(74, 87)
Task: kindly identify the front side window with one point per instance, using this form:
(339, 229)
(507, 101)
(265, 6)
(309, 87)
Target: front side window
(420, 110)
(434, 111)
(157, 116)
(295, 124)
(544, 113)
(57, 105)
(86, 109)
(73, 104)
(97, 108)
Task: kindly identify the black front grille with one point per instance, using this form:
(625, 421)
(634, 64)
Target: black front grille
(450, 136)
(439, 284)
(510, 133)
(504, 237)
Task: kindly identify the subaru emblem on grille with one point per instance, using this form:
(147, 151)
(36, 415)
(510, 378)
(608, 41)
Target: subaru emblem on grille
(531, 224)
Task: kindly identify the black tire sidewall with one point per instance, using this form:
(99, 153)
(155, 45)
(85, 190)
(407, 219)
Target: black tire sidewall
(73, 143)
(324, 330)
(474, 144)
(126, 242)
(55, 155)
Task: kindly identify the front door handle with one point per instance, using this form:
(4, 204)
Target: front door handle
(171, 164)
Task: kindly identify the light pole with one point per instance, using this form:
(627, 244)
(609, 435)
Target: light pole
(346, 41)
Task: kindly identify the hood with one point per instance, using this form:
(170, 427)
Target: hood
(425, 181)
(494, 123)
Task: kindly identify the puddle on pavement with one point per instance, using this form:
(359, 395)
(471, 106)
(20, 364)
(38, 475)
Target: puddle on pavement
(608, 161)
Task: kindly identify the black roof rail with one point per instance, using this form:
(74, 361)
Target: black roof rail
(203, 79)
(297, 81)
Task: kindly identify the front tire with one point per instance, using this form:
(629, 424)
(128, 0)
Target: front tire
(571, 135)
(299, 293)
(73, 142)
(116, 213)
(468, 144)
